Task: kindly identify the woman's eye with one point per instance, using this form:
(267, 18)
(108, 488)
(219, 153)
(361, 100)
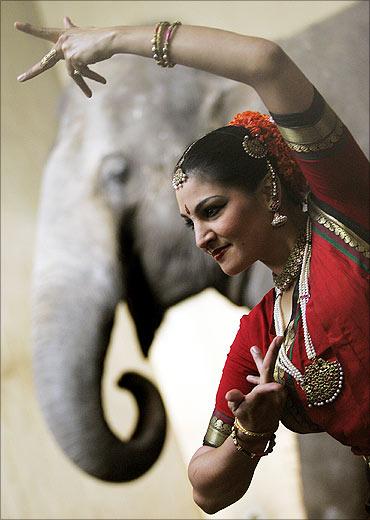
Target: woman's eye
(212, 211)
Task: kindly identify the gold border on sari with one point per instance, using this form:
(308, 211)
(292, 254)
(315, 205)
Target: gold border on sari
(217, 433)
(320, 136)
(338, 228)
(289, 337)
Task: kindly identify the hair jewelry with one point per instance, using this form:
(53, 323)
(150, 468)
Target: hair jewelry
(258, 150)
(266, 131)
(179, 178)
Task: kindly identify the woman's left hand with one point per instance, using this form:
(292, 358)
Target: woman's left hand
(78, 47)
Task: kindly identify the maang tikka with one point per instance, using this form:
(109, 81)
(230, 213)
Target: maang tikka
(258, 150)
(180, 177)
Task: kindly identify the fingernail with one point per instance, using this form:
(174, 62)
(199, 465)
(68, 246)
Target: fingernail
(255, 350)
(21, 77)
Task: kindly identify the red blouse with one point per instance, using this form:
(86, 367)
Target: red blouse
(338, 310)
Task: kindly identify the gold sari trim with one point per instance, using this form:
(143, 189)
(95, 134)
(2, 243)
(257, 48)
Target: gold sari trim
(321, 136)
(217, 432)
(289, 336)
(338, 228)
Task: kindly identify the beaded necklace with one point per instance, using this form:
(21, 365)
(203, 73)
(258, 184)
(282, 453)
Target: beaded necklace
(322, 380)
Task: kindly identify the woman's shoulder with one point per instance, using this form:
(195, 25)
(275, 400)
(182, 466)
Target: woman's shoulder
(333, 164)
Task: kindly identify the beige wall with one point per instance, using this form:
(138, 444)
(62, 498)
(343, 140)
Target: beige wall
(37, 481)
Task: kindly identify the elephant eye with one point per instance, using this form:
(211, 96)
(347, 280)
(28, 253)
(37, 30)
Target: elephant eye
(114, 169)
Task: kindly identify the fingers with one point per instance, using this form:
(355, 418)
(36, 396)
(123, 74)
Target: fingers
(88, 73)
(266, 365)
(255, 380)
(257, 357)
(50, 34)
(270, 360)
(78, 79)
(48, 61)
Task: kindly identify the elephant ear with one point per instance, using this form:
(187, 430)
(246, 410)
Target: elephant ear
(223, 99)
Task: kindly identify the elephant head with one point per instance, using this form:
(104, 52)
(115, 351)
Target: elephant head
(109, 231)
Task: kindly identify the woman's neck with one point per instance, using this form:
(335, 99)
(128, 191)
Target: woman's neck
(284, 238)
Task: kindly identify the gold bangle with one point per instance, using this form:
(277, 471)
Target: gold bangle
(165, 52)
(250, 454)
(157, 42)
(256, 435)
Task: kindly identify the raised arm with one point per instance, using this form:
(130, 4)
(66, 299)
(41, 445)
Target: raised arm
(254, 61)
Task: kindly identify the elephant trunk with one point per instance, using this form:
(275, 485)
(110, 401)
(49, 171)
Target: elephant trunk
(71, 337)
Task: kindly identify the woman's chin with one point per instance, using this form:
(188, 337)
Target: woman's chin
(233, 270)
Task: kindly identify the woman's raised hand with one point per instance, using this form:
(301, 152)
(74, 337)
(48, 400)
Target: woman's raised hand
(261, 409)
(78, 47)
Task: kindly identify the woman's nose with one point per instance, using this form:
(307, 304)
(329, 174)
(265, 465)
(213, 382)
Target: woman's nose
(203, 236)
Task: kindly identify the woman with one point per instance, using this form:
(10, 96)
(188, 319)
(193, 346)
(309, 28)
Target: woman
(300, 356)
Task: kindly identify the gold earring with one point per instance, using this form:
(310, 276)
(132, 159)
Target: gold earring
(275, 202)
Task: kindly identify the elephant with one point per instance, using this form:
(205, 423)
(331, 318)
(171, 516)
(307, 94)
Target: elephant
(109, 231)
(117, 233)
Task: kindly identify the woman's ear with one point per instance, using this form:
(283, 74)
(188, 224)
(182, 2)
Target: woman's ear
(264, 191)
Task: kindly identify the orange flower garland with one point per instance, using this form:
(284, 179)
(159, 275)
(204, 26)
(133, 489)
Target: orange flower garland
(266, 131)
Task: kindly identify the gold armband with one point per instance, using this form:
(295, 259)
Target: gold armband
(316, 137)
(218, 431)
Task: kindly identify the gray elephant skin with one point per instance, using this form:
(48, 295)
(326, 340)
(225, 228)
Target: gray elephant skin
(109, 231)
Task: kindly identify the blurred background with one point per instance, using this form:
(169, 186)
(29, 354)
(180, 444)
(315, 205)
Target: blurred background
(37, 480)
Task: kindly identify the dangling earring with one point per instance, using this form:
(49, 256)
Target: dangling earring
(275, 203)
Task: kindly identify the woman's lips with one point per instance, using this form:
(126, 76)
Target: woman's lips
(219, 252)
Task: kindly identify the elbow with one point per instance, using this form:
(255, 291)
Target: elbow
(270, 60)
(207, 505)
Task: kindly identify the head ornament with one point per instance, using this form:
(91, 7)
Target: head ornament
(179, 178)
(262, 130)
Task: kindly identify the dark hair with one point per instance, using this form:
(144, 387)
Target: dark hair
(219, 157)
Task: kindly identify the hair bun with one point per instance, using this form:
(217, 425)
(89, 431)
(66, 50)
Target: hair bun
(263, 127)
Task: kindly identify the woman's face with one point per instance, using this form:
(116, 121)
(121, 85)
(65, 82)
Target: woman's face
(228, 223)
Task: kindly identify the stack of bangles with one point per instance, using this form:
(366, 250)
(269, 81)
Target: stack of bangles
(163, 33)
(252, 435)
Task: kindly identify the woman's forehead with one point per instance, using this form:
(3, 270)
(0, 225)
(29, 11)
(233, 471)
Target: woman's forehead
(195, 189)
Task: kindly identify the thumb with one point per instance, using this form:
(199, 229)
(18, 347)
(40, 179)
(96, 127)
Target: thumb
(234, 398)
(68, 24)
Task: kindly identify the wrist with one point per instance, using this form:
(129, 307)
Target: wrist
(251, 444)
(252, 433)
(118, 36)
(252, 448)
(132, 40)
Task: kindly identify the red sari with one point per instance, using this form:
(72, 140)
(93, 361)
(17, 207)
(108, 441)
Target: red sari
(338, 310)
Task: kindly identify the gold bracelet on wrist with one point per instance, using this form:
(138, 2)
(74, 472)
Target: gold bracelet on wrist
(250, 454)
(165, 51)
(157, 42)
(161, 40)
(256, 435)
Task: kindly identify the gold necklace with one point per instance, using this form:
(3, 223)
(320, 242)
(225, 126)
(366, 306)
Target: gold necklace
(321, 380)
(292, 266)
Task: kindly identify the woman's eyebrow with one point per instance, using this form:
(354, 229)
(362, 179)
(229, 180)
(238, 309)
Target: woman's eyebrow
(200, 204)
